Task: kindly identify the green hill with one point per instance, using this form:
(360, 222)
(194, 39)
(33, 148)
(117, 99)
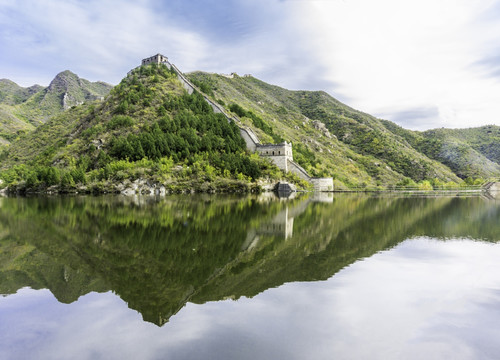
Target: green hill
(13, 94)
(330, 138)
(149, 129)
(23, 109)
(470, 153)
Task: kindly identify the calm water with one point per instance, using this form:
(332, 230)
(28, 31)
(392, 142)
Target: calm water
(205, 277)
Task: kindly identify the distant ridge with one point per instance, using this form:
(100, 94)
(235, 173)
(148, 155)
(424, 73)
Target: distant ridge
(22, 109)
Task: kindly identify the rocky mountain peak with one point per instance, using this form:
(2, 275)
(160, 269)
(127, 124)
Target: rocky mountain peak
(63, 81)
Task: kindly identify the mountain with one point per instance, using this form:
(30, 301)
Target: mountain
(22, 109)
(379, 145)
(328, 136)
(13, 94)
(149, 129)
(67, 90)
(469, 153)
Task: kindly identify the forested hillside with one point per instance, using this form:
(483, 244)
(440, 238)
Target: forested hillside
(330, 138)
(471, 153)
(147, 129)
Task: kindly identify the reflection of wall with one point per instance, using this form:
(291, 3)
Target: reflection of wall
(322, 197)
(282, 224)
(492, 190)
(156, 261)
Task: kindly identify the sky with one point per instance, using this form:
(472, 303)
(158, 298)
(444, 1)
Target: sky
(422, 64)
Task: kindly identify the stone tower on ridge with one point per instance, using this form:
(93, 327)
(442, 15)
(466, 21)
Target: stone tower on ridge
(156, 59)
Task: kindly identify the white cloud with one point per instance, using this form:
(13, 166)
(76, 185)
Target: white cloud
(391, 56)
(422, 64)
(103, 40)
(100, 40)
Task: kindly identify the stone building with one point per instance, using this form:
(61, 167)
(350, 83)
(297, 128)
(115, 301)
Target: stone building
(279, 154)
(156, 59)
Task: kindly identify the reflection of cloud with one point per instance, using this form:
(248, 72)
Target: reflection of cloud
(422, 299)
(458, 327)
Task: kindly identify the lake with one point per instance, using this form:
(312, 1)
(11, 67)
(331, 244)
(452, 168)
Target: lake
(325, 276)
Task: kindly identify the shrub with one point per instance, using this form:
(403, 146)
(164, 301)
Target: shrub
(119, 121)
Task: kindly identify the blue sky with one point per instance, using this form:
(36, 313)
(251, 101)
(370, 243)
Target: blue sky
(422, 64)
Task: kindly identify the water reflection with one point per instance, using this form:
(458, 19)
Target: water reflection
(159, 254)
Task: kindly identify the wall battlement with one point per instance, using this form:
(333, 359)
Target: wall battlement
(280, 154)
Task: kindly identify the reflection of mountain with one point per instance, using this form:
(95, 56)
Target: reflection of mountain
(158, 255)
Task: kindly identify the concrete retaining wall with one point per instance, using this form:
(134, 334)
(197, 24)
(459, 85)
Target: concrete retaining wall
(322, 184)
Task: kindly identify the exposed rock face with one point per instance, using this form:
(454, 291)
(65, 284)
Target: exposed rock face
(318, 125)
(141, 186)
(72, 90)
(22, 109)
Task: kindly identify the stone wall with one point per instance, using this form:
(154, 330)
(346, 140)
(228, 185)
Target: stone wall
(249, 139)
(279, 154)
(322, 184)
(298, 170)
(280, 161)
(185, 82)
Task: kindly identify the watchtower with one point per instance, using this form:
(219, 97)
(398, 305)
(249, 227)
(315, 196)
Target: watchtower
(156, 59)
(280, 154)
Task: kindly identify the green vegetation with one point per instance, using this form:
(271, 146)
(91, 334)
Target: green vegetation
(23, 109)
(328, 137)
(470, 153)
(256, 121)
(356, 149)
(149, 128)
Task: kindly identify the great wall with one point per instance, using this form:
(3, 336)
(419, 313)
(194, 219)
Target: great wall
(280, 154)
